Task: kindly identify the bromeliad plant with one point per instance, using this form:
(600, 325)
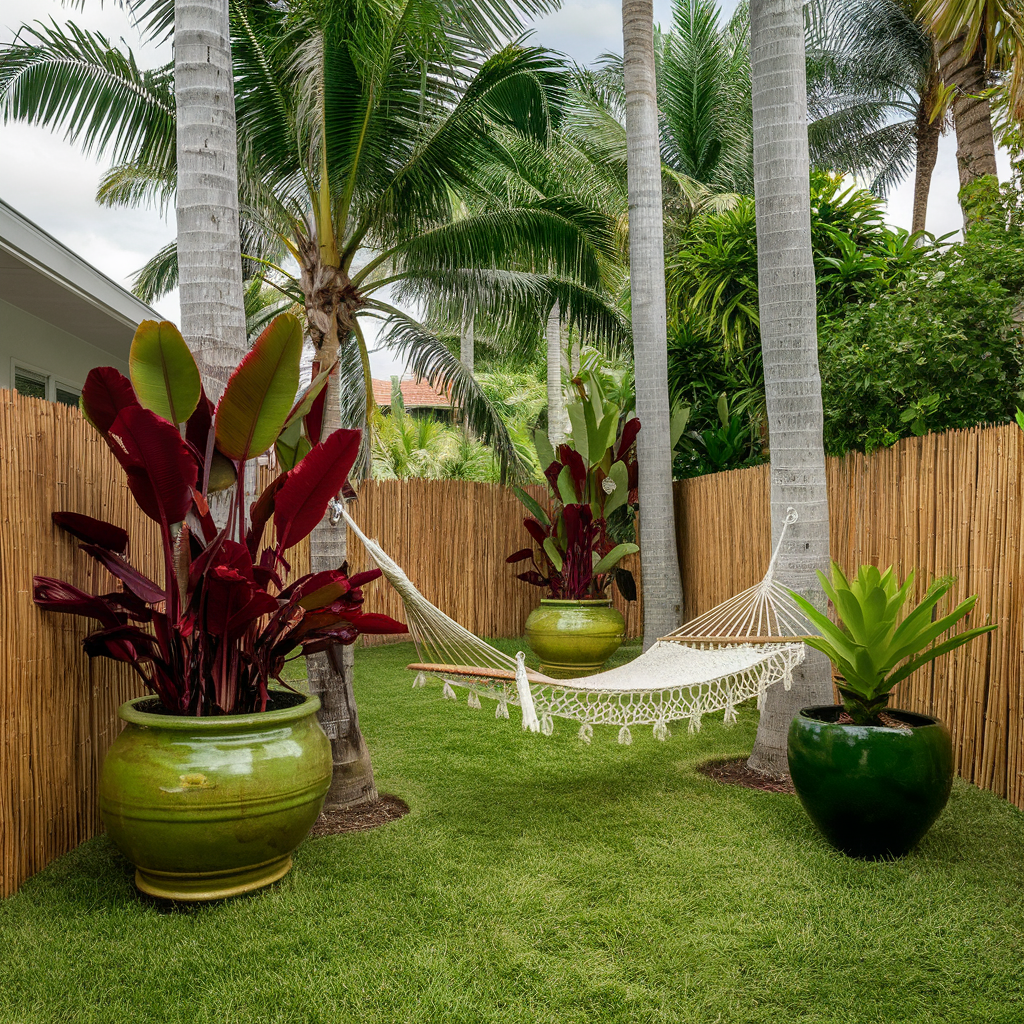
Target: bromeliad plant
(591, 477)
(870, 647)
(212, 637)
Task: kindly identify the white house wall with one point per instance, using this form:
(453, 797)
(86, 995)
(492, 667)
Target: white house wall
(38, 345)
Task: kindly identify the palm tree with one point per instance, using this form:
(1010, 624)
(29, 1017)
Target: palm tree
(875, 93)
(659, 563)
(786, 293)
(976, 37)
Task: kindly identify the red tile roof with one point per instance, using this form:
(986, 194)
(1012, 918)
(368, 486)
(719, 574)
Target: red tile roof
(415, 394)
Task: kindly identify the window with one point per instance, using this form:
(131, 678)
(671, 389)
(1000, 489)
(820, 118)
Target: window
(35, 383)
(30, 383)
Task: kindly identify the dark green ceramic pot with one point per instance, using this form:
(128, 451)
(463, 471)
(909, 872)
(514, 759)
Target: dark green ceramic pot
(871, 790)
(574, 638)
(207, 808)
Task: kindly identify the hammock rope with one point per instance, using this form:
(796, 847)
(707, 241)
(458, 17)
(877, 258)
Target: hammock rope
(729, 654)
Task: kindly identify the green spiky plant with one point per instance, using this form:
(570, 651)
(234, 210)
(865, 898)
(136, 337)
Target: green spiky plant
(871, 646)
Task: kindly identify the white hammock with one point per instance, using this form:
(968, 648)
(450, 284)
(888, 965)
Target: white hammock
(712, 663)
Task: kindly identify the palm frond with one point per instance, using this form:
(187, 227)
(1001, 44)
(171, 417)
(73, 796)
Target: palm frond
(67, 78)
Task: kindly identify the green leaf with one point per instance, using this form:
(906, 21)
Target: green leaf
(259, 395)
(578, 418)
(619, 474)
(163, 372)
(545, 452)
(566, 487)
(533, 506)
(307, 398)
(934, 652)
(677, 424)
(553, 553)
(616, 554)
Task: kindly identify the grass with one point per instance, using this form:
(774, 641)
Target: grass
(541, 880)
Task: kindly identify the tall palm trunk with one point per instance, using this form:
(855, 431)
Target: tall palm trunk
(331, 673)
(558, 419)
(467, 342)
(659, 563)
(927, 138)
(786, 290)
(972, 115)
(206, 199)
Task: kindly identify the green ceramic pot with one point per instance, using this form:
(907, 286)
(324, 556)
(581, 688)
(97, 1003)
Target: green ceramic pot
(871, 790)
(207, 808)
(574, 638)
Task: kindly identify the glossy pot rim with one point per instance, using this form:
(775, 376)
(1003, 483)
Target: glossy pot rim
(573, 602)
(128, 712)
(919, 722)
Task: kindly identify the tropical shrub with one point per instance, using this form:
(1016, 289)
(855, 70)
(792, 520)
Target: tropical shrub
(592, 477)
(872, 646)
(216, 632)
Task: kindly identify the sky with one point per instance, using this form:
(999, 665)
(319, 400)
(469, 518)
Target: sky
(53, 183)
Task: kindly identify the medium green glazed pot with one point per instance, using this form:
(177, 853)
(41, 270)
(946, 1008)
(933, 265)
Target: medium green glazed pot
(207, 808)
(574, 638)
(871, 790)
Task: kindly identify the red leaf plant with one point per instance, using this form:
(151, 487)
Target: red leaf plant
(211, 637)
(592, 477)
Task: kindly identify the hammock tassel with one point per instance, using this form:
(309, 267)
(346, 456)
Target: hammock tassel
(625, 736)
(530, 721)
(730, 710)
(420, 680)
(695, 721)
(501, 711)
(547, 724)
(661, 731)
(586, 733)
(473, 700)
(787, 680)
(448, 693)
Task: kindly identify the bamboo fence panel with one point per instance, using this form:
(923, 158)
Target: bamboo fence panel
(59, 711)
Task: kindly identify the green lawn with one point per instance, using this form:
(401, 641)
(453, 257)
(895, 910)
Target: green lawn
(537, 879)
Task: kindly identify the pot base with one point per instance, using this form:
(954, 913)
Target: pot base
(558, 670)
(211, 885)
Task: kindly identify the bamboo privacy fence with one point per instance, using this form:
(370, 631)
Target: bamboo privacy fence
(946, 504)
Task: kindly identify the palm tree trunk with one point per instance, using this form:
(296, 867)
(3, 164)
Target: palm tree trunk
(206, 199)
(330, 674)
(927, 132)
(467, 343)
(558, 420)
(972, 116)
(786, 291)
(659, 564)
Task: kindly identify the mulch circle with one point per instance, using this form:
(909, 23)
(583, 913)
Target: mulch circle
(360, 819)
(734, 772)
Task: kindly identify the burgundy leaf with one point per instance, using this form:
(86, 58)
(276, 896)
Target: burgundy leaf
(141, 586)
(551, 475)
(105, 393)
(302, 500)
(57, 596)
(629, 432)
(364, 577)
(520, 555)
(533, 577)
(161, 471)
(315, 417)
(577, 468)
(535, 530)
(260, 512)
(93, 531)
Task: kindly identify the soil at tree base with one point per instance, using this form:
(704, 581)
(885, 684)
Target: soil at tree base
(734, 772)
(360, 819)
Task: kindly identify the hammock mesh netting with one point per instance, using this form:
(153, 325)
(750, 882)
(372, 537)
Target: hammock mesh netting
(712, 663)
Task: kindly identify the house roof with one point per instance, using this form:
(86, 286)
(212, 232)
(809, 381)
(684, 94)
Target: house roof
(416, 394)
(45, 278)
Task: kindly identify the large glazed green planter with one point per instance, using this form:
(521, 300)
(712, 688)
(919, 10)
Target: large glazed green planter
(574, 638)
(871, 790)
(207, 808)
